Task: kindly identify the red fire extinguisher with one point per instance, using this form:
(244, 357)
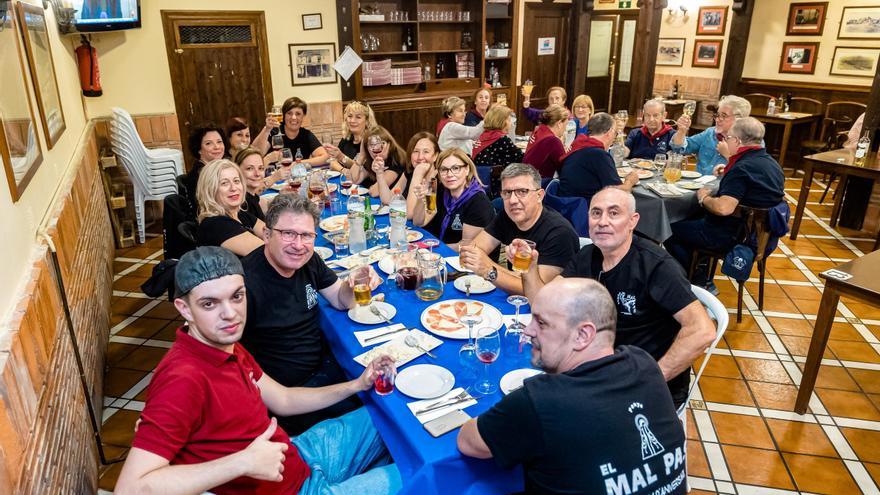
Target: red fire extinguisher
(89, 75)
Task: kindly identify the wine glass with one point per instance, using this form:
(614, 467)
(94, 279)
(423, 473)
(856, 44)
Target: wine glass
(277, 142)
(431, 243)
(690, 107)
(622, 115)
(517, 301)
(659, 162)
(488, 349)
(286, 157)
(470, 320)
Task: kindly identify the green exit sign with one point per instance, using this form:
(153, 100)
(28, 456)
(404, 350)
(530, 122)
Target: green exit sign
(624, 4)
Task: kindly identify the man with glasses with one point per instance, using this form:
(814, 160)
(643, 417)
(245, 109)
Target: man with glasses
(523, 217)
(653, 136)
(283, 279)
(753, 179)
(709, 146)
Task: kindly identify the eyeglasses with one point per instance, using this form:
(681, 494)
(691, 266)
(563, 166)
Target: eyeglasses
(375, 142)
(292, 235)
(454, 170)
(722, 116)
(731, 137)
(520, 193)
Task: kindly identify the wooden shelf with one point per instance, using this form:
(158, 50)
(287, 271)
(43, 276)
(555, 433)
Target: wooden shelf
(389, 22)
(446, 22)
(497, 58)
(382, 54)
(507, 17)
(460, 50)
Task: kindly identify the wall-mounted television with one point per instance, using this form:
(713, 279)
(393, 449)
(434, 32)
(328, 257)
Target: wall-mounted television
(106, 15)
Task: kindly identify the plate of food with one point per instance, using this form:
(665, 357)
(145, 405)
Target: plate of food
(689, 184)
(690, 174)
(334, 223)
(323, 252)
(443, 318)
(398, 350)
(624, 171)
(645, 174)
(478, 284)
(365, 316)
(413, 235)
(379, 210)
(644, 164)
(360, 190)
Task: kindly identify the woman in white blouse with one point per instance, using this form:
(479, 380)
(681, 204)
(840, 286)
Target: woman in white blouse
(451, 131)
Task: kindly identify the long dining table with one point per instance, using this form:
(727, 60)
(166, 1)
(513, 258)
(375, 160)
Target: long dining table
(427, 465)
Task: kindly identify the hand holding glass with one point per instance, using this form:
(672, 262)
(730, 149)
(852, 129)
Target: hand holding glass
(523, 257)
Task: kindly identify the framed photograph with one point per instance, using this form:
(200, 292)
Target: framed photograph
(854, 61)
(312, 63)
(32, 22)
(312, 21)
(806, 18)
(707, 53)
(20, 151)
(859, 23)
(798, 58)
(712, 21)
(670, 51)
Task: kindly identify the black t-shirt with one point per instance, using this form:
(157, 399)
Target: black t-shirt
(477, 212)
(554, 237)
(472, 118)
(282, 330)
(649, 287)
(214, 231)
(500, 153)
(191, 181)
(756, 180)
(305, 141)
(348, 147)
(606, 426)
(391, 164)
(587, 171)
(252, 206)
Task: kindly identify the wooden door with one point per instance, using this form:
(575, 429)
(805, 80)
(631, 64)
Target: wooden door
(545, 70)
(624, 71)
(610, 70)
(219, 65)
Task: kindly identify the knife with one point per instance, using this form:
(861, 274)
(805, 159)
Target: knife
(383, 334)
(442, 406)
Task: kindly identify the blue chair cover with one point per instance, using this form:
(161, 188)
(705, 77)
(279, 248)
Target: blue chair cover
(552, 187)
(574, 209)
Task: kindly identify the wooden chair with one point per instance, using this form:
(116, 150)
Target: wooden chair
(759, 101)
(756, 221)
(805, 105)
(837, 142)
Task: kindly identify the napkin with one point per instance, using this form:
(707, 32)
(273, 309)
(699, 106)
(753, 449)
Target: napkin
(705, 179)
(398, 350)
(524, 318)
(455, 263)
(421, 404)
(363, 336)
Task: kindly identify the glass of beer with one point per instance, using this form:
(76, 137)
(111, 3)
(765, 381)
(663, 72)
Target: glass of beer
(672, 172)
(363, 294)
(276, 114)
(431, 196)
(527, 88)
(690, 107)
(523, 256)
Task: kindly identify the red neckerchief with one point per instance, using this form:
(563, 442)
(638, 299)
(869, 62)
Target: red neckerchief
(580, 142)
(441, 125)
(739, 153)
(540, 133)
(486, 139)
(657, 135)
(719, 137)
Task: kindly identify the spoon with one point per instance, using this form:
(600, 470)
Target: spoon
(411, 341)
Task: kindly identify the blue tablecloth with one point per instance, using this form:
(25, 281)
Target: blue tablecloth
(427, 465)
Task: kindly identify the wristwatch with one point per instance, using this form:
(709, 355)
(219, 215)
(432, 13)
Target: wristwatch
(492, 275)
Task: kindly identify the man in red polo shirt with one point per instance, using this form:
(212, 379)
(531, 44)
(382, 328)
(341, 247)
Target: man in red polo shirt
(206, 424)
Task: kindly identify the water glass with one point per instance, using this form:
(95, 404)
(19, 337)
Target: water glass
(340, 244)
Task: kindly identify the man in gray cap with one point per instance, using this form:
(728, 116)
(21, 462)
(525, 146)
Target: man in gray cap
(206, 422)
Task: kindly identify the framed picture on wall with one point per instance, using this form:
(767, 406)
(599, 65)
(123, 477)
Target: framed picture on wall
(312, 21)
(312, 63)
(20, 151)
(32, 21)
(670, 51)
(707, 53)
(854, 61)
(859, 23)
(806, 18)
(712, 21)
(798, 58)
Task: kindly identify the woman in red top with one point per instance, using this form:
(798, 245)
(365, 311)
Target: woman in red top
(545, 148)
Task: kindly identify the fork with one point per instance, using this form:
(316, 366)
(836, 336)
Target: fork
(467, 288)
(380, 314)
(463, 395)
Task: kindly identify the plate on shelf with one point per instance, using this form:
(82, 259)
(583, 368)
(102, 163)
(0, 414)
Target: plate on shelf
(690, 174)
(334, 223)
(323, 252)
(442, 318)
(424, 381)
(514, 379)
(363, 315)
(479, 285)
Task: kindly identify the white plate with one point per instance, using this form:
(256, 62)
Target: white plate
(479, 285)
(323, 252)
(363, 315)
(424, 381)
(379, 210)
(690, 174)
(332, 174)
(643, 174)
(455, 263)
(413, 235)
(689, 184)
(361, 190)
(334, 223)
(446, 324)
(386, 264)
(514, 379)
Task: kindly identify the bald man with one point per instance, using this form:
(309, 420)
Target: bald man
(598, 420)
(653, 136)
(656, 309)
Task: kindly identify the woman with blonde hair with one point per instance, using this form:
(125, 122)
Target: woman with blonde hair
(545, 149)
(482, 100)
(555, 96)
(222, 221)
(581, 110)
(383, 161)
(463, 209)
(358, 118)
(451, 131)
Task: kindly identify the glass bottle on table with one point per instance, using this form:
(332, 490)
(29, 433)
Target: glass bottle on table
(862, 148)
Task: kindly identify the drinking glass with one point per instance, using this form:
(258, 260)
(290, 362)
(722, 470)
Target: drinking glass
(431, 243)
(672, 173)
(277, 142)
(384, 383)
(689, 107)
(488, 348)
(622, 115)
(362, 291)
(286, 156)
(431, 196)
(470, 320)
(340, 245)
(660, 161)
(276, 114)
(316, 187)
(522, 259)
(517, 301)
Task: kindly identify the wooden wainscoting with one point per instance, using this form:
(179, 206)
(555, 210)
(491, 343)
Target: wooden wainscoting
(46, 440)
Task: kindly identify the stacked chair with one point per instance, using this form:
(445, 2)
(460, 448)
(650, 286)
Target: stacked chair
(153, 172)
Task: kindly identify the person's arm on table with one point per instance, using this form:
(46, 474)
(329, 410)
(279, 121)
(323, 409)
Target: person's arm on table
(476, 259)
(722, 205)
(696, 334)
(470, 443)
(290, 401)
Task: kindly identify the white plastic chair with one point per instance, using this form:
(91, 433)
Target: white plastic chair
(123, 118)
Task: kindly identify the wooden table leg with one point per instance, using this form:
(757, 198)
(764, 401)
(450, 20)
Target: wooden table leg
(786, 135)
(802, 199)
(838, 200)
(827, 308)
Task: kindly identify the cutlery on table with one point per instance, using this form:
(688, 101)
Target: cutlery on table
(440, 404)
(467, 288)
(411, 341)
(376, 311)
(384, 334)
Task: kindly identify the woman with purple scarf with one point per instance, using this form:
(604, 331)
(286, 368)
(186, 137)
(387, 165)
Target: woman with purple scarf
(463, 208)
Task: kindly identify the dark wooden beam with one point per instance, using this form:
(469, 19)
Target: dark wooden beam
(345, 12)
(645, 52)
(578, 47)
(872, 113)
(736, 46)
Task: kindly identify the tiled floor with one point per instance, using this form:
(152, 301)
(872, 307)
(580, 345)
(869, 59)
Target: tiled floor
(742, 434)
